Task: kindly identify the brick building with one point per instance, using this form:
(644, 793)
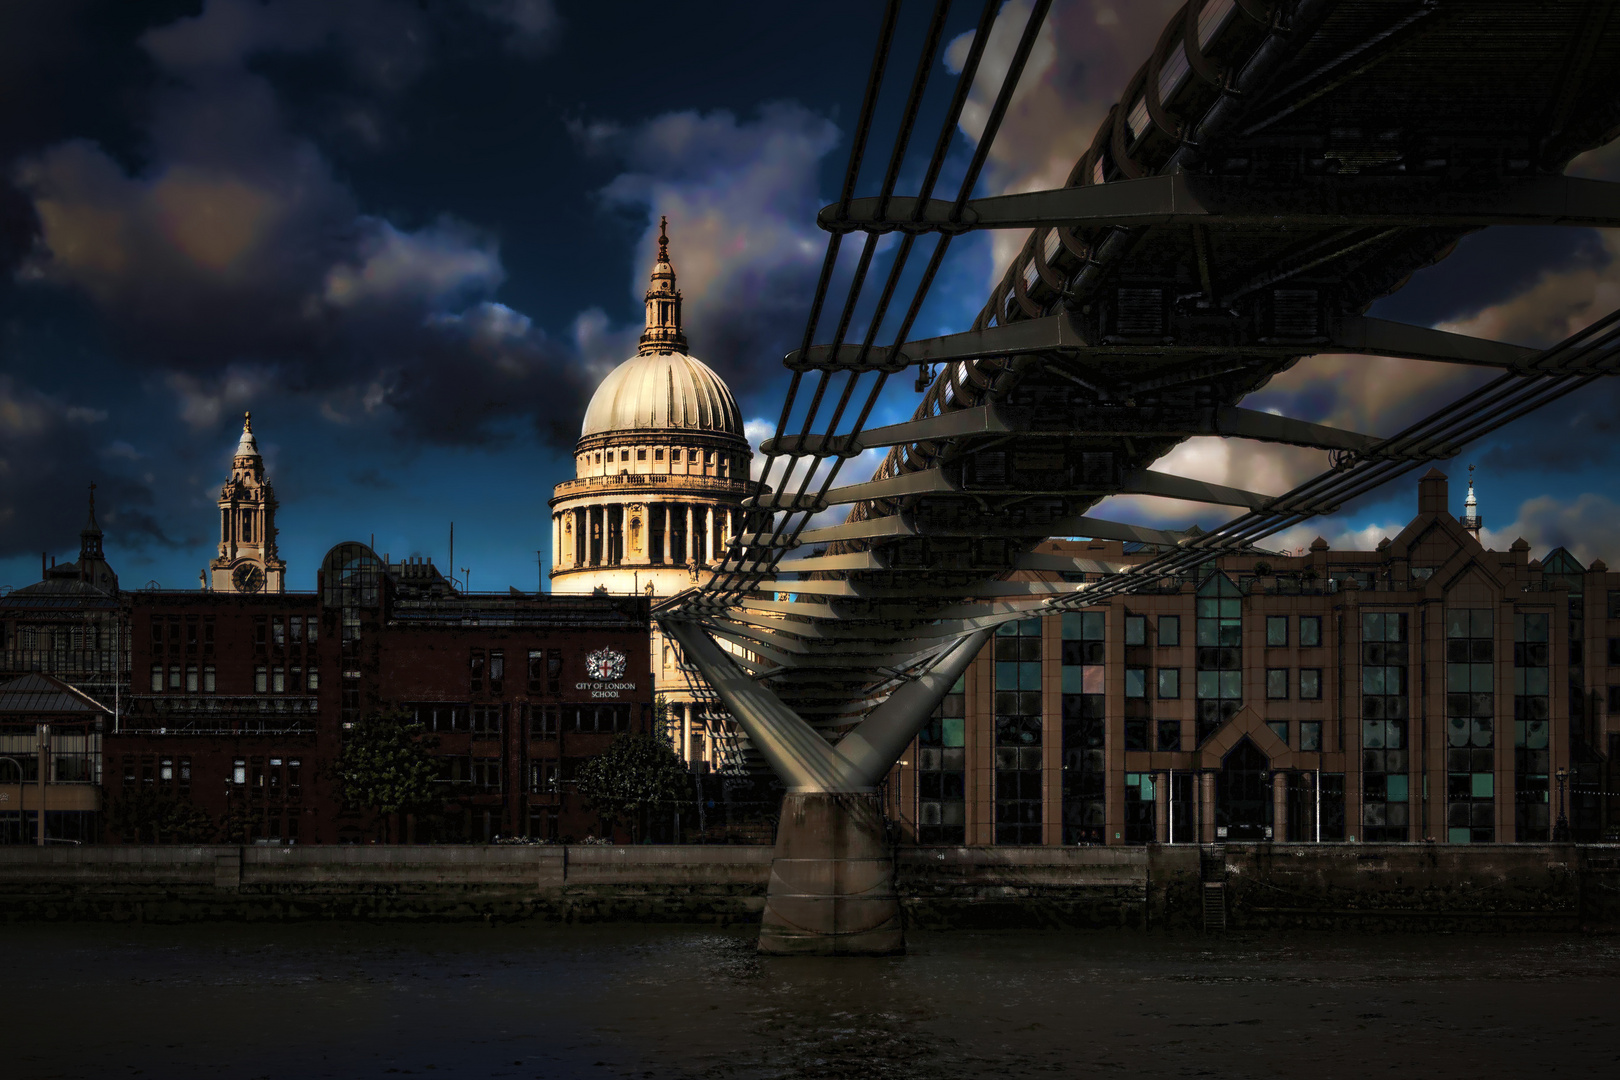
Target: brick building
(240, 699)
(1428, 689)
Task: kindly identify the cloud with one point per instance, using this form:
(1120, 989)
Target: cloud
(232, 263)
(433, 266)
(531, 26)
(1082, 58)
(1586, 526)
(741, 196)
(50, 451)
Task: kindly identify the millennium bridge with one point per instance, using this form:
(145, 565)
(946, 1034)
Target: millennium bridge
(1272, 169)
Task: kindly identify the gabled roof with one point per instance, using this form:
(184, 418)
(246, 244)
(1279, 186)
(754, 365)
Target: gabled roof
(59, 593)
(43, 695)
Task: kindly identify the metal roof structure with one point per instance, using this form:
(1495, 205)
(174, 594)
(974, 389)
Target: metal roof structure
(42, 698)
(1271, 170)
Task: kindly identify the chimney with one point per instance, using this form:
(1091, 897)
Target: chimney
(1433, 493)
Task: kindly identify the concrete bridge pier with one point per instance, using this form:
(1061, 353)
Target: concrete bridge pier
(831, 890)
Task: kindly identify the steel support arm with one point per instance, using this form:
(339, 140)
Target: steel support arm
(878, 741)
(801, 757)
(1181, 198)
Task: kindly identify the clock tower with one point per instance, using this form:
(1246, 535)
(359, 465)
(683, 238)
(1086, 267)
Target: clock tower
(247, 560)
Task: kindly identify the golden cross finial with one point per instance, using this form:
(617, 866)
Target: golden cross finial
(663, 239)
(247, 421)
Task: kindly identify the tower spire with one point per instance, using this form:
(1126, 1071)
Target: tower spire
(1471, 519)
(663, 333)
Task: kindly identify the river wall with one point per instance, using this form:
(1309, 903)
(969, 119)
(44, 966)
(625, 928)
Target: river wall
(1239, 886)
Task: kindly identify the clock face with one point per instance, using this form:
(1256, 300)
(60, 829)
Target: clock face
(605, 665)
(248, 578)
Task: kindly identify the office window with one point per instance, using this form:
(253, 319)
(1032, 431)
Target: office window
(208, 679)
(314, 679)
(942, 772)
(239, 771)
(1470, 725)
(486, 719)
(295, 629)
(1139, 799)
(191, 678)
(1276, 631)
(1310, 631)
(1277, 684)
(261, 679)
(1018, 732)
(1310, 734)
(1385, 760)
(278, 680)
(542, 776)
(477, 670)
(1083, 810)
(174, 676)
(1310, 684)
(1136, 682)
(1169, 630)
(1219, 630)
(1135, 630)
(278, 632)
(1279, 728)
(157, 678)
(313, 630)
(1169, 682)
(1531, 724)
(497, 670)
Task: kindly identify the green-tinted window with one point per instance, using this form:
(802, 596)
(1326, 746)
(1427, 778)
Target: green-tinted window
(1084, 762)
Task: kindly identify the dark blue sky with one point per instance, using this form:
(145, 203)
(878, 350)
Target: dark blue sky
(411, 235)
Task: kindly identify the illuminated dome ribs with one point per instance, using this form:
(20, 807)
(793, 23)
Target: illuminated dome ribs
(1263, 180)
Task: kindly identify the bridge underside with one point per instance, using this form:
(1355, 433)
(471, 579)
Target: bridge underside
(1270, 172)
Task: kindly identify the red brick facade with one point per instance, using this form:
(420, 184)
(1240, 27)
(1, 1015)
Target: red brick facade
(238, 702)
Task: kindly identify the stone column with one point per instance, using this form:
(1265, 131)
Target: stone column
(1206, 807)
(1279, 806)
(669, 520)
(1161, 807)
(691, 538)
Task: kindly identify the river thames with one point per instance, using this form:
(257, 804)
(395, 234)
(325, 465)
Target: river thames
(360, 1000)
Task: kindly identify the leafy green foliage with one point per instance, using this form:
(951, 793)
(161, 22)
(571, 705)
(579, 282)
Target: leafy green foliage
(386, 764)
(148, 817)
(637, 774)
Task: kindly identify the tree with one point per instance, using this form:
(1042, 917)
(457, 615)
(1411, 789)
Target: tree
(636, 774)
(386, 764)
(147, 817)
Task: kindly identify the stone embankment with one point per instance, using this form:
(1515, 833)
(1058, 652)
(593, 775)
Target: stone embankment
(1240, 886)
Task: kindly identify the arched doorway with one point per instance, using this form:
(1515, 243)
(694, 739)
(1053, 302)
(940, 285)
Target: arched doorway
(1243, 794)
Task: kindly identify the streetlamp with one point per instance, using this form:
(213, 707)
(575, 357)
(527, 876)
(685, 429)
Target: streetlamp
(1561, 830)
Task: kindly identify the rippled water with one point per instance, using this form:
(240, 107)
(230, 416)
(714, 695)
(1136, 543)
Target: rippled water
(661, 1001)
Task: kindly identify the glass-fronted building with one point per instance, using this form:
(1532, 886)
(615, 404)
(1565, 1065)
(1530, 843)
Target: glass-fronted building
(1430, 689)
